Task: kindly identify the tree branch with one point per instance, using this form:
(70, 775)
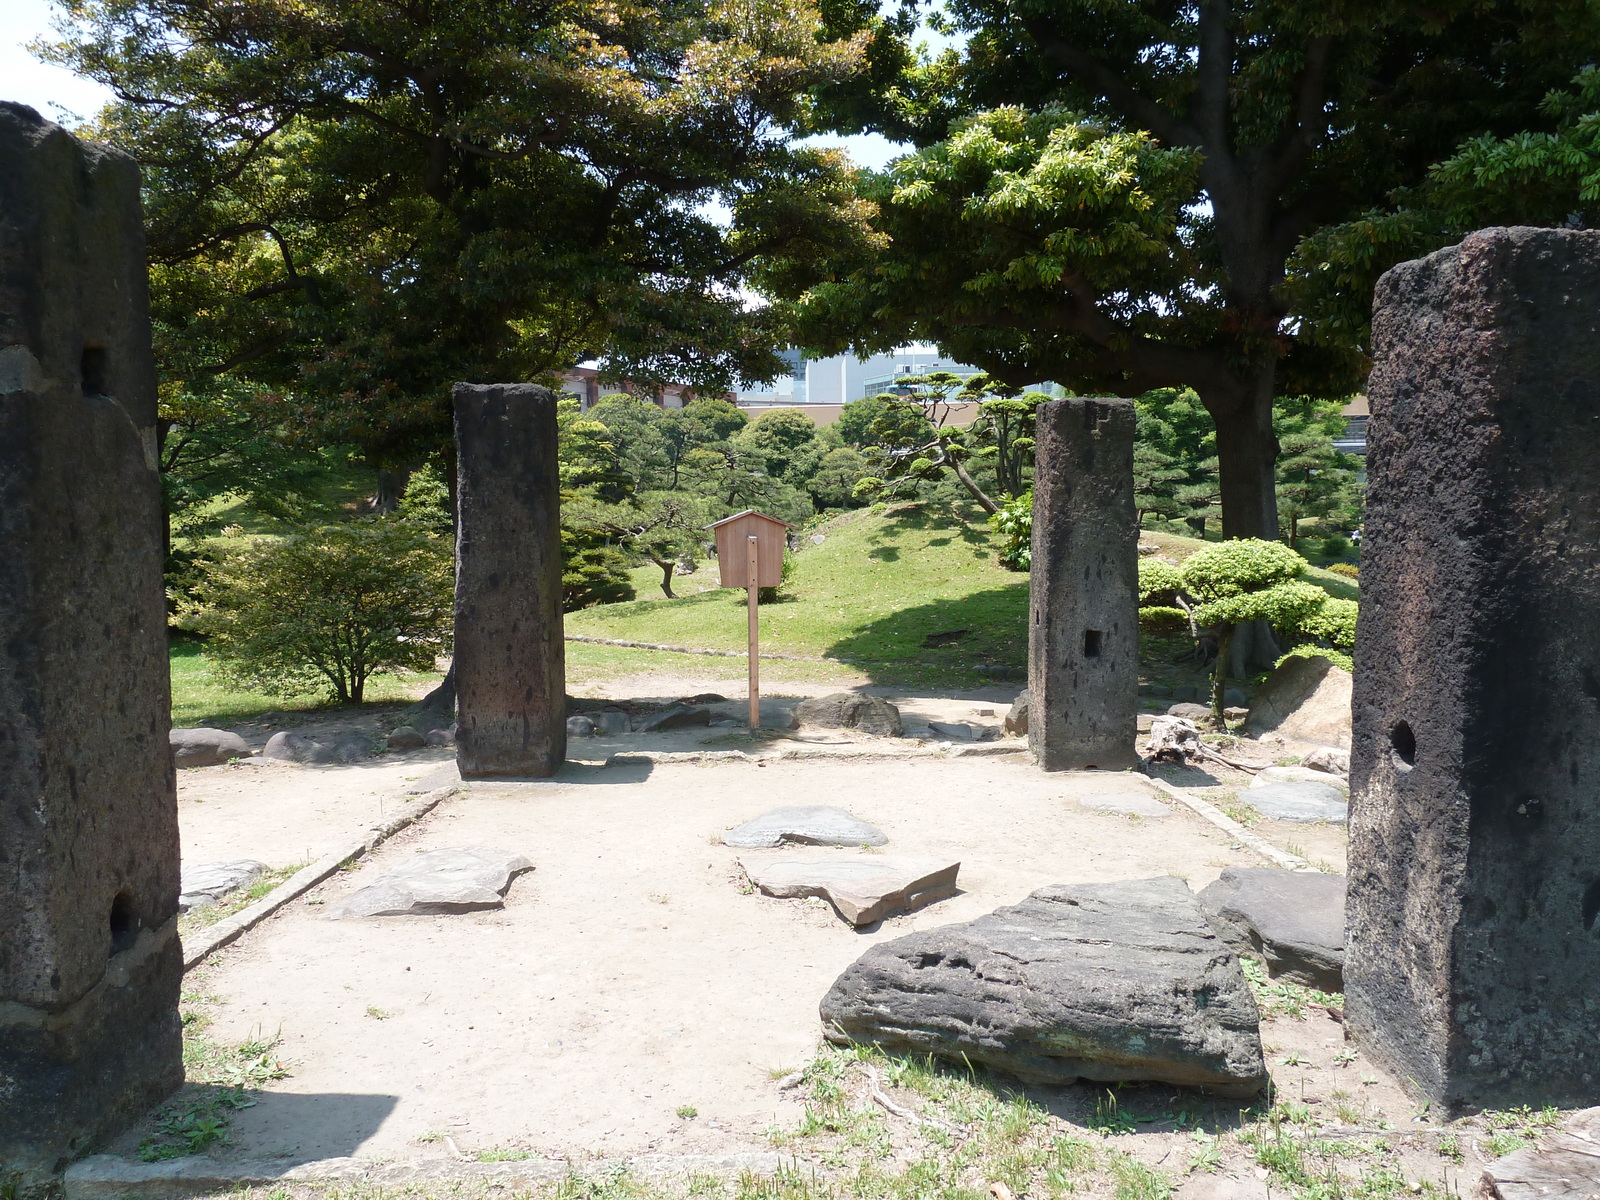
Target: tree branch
(1112, 86)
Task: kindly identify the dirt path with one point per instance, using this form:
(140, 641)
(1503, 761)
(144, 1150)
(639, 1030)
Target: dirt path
(629, 974)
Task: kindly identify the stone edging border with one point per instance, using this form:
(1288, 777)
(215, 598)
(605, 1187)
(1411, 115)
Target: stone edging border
(215, 937)
(108, 1177)
(1210, 812)
(847, 752)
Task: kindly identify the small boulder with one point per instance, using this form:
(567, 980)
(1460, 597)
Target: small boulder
(1292, 919)
(1190, 711)
(871, 715)
(580, 726)
(407, 738)
(610, 721)
(1235, 714)
(1105, 982)
(205, 747)
(703, 698)
(1016, 722)
(1328, 761)
(205, 884)
(441, 737)
(806, 825)
(1304, 699)
(676, 717)
(1301, 802)
(288, 746)
(951, 731)
(1270, 775)
(460, 879)
(862, 890)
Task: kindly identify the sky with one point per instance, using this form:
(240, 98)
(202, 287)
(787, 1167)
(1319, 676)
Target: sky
(62, 96)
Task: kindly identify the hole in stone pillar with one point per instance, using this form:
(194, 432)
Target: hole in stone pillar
(124, 924)
(1091, 643)
(1591, 906)
(1403, 746)
(92, 371)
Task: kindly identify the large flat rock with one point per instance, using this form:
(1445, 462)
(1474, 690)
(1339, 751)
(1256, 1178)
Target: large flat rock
(1107, 982)
(204, 884)
(1299, 801)
(805, 825)
(1305, 699)
(454, 880)
(1292, 919)
(1566, 1166)
(862, 889)
(846, 710)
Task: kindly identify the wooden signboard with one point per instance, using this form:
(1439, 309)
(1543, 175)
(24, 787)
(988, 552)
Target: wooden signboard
(750, 548)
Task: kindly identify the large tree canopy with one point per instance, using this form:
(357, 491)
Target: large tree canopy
(356, 202)
(1108, 194)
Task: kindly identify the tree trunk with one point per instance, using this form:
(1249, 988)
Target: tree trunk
(1247, 455)
(667, 567)
(1219, 678)
(391, 487)
(989, 506)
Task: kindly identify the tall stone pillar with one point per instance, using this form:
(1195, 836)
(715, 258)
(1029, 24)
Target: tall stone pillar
(1083, 631)
(89, 959)
(509, 655)
(1473, 951)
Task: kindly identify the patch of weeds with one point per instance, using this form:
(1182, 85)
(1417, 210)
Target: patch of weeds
(200, 918)
(688, 1111)
(376, 1013)
(1512, 1129)
(1293, 1059)
(1207, 1154)
(1346, 1056)
(198, 1120)
(1280, 998)
(496, 1154)
(192, 1125)
(1107, 1117)
(1450, 1147)
(1238, 810)
(1292, 760)
(1132, 1180)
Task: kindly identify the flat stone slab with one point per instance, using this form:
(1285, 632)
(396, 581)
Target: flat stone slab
(1566, 1166)
(454, 880)
(1299, 801)
(204, 884)
(863, 889)
(1292, 919)
(952, 731)
(1105, 982)
(206, 747)
(846, 710)
(805, 825)
(1270, 775)
(1133, 804)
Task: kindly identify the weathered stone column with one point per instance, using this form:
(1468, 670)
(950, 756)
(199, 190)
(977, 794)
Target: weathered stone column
(1083, 633)
(89, 958)
(510, 658)
(1473, 960)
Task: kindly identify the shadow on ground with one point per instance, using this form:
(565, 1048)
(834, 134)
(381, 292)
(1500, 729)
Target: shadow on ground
(986, 630)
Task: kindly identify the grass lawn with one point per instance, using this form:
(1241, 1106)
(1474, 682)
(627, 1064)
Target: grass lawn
(200, 698)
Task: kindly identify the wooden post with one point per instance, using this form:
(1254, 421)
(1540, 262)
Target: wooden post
(755, 636)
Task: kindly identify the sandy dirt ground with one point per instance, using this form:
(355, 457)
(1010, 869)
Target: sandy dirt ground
(633, 972)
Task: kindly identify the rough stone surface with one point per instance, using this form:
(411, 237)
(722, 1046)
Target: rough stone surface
(1132, 804)
(862, 890)
(611, 721)
(579, 726)
(455, 880)
(1016, 722)
(1328, 760)
(206, 883)
(1106, 982)
(440, 737)
(1301, 802)
(1083, 635)
(676, 717)
(288, 746)
(205, 747)
(1292, 919)
(1564, 1166)
(89, 959)
(1270, 775)
(951, 731)
(806, 825)
(510, 656)
(1189, 711)
(407, 738)
(845, 710)
(1307, 699)
(1235, 698)
(1473, 967)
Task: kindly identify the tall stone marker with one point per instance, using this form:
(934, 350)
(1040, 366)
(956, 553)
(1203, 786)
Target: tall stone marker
(1083, 635)
(510, 658)
(1473, 952)
(89, 959)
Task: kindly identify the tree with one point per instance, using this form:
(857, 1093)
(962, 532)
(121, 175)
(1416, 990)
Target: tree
(834, 484)
(1109, 195)
(787, 440)
(1155, 480)
(1314, 479)
(354, 205)
(663, 527)
(333, 605)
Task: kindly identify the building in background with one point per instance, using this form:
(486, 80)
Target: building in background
(585, 383)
